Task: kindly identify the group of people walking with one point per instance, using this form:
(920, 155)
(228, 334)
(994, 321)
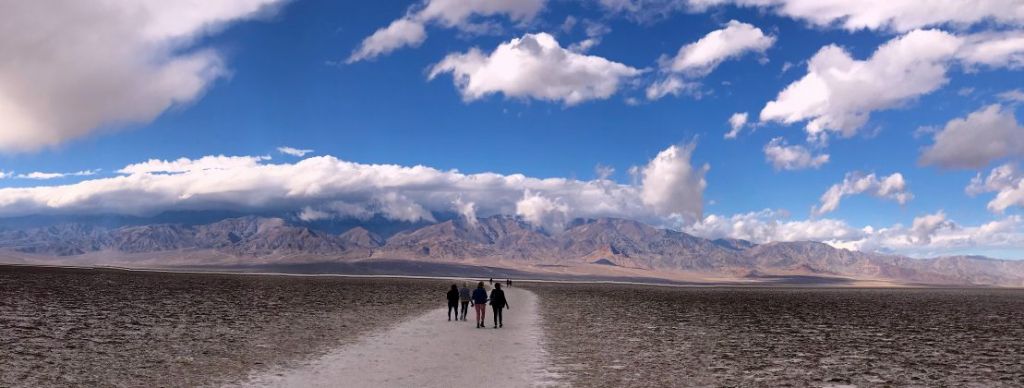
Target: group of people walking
(479, 299)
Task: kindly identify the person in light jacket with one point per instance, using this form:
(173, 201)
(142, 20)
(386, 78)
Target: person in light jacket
(465, 295)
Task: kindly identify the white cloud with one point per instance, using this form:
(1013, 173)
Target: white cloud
(934, 235)
(400, 33)
(772, 226)
(1006, 181)
(671, 185)
(924, 227)
(643, 11)
(218, 162)
(734, 40)
(786, 157)
(410, 30)
(38, 175)
(551, 214)
(603, 172)
(897, 15)
(71, 67)
(839, 92)
(892, 187)
(322, 187)
(466, 209)
(340, 210)
(293, 151)
(986, 135)
(736, 122)
(1015, 95)
(993, 49)
(534, 66)
(929, 236)
(5, 174)
(700, 58)
(673, 85)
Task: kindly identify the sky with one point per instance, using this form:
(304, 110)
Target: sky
(890, 126)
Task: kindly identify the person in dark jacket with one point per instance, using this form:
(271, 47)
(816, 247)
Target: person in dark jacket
(498, 302)
(453, 302)
(464, 298)
(480, 303)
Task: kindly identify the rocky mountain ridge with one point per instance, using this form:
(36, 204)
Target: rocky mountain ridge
(509, 240)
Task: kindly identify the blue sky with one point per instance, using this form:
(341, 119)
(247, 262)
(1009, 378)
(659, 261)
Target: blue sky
(285, 82)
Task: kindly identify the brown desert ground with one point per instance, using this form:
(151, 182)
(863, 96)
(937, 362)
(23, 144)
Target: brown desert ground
(107, 327)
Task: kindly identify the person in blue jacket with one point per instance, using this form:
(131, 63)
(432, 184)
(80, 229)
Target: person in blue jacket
(480, 303)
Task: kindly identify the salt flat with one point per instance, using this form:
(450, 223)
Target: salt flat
(429, 351)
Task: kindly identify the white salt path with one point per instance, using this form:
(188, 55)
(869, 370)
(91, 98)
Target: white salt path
(429, 351)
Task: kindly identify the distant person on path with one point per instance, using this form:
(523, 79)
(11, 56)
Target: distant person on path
(464, 297)
(492, 280)
(508, 282)
(480, 304)
(453, 302)
(498, 303)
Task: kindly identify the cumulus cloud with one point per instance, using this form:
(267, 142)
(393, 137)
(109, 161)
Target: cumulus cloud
(673, 85)
(796, 157)
(466, 209)
(839, 93)
(551, 214)
(993, 49)
(71, 67)
(218, 162)
(734, 40)
(293, 151)
(892, 187)
(323, 187)
(39, 175)
(772, 226)
(410, 30)
(930, 235)
(698, 59)
(934, 234)
(534, 66)
(400, 33)
(1006, 181)
(986, 135)
(671, 185)
(1013, 95)
(736, 123)
(924, 227)
(643, 11)
(900, 15)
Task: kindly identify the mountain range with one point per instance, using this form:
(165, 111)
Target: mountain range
(605, 247)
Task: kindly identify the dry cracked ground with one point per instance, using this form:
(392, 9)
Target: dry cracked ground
(76, 327)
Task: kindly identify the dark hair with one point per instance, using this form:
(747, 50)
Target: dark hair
(480, 285)
(497, 285)
(454, 287)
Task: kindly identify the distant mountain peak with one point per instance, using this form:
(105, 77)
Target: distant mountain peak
(501, 239)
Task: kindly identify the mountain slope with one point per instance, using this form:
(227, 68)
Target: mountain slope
(507, 241)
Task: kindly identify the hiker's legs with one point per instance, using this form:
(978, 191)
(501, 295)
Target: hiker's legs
(452, 307)
(465, 309)
(480, 310)
(497, 315)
